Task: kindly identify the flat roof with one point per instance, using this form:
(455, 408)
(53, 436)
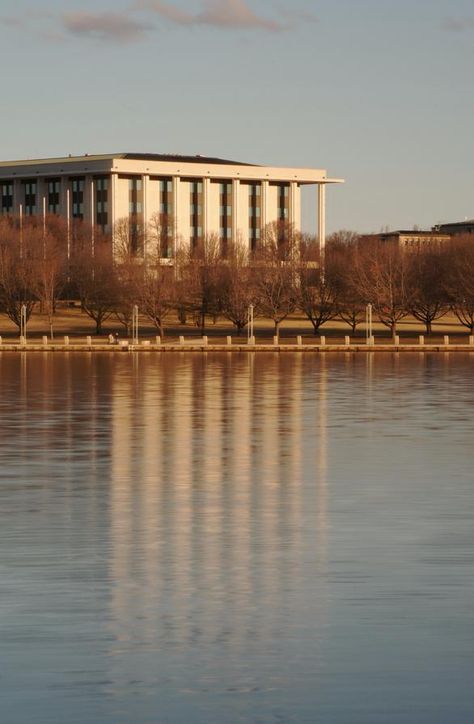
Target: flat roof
(467, 222)
(171, 157)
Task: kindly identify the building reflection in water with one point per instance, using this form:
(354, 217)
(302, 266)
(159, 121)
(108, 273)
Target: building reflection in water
(209, 496)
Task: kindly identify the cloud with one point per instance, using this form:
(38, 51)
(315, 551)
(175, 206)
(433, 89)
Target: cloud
(110, 26)
(458, 25)
(166, 11)
(227, 14)
(296, 15)
(12, 22)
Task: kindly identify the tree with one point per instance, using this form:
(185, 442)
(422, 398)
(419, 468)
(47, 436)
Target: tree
(236, 286)
(161, 236)
(317, 291)
(48, 243)
(198, 279)
(94, 277)
(16, 271)
(427, 298)
(342, 252)
(157, 292)
(459, 280)
(275, 275)
(380, 270)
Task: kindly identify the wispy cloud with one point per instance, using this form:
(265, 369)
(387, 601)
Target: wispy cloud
(295, 16)
(109, 26)
(227, 14)
(458, 25)
(13, 22)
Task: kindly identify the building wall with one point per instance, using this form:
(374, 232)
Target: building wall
(105, 189)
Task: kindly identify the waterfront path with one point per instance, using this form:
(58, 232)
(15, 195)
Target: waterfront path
(320, 346)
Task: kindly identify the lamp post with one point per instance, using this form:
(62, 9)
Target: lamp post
(23, 323)
(135, 324)
(250, 322)
(368, 323)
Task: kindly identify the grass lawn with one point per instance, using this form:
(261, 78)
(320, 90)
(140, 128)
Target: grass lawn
(70, 320)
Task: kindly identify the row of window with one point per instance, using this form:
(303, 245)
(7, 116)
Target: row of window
(53, 187)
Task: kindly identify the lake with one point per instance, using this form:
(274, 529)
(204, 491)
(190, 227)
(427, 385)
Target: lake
(226, 538)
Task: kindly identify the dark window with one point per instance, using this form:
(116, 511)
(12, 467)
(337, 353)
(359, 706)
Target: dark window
(196, 199)
(6, 192)
(255, 210)
(77, 185)
(30, 198)
(135, 196)
(102, 201)
(225, 213)
(54, 189)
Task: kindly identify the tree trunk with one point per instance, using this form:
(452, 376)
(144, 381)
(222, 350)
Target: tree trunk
(277, 328)
(428, 326)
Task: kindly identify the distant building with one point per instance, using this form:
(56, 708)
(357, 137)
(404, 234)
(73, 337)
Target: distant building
(199, 196)
(413, 238)
(455, 228)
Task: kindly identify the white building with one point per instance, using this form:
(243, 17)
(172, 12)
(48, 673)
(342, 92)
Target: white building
(199, 195)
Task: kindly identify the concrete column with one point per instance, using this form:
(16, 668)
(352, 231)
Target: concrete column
(264, 204)
(112, 206)
(91, 197)
(176, 185)
(40, 193)
(145, 187)
(17, 200)
(67, 193)
(235, 208)
(322, 218)
(206, 183)
(64, 185)
(90, 185)
(292, 210)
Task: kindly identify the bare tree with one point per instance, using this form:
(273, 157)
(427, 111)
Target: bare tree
(427, 298)
(157, 292)
(459, 280)
(317, 297)
(381, 275)
(161, 236)
(236, 286)
(16, 271)
(94, 277)
(48, 244)
(198, 284)
(275, 276)
(350, 305)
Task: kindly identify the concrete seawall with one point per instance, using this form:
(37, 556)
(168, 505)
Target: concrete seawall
(232, 348)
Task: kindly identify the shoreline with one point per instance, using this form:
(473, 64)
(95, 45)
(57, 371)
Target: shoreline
(146, 346)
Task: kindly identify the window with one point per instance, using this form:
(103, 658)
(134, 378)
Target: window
(77, 185)
(283, 202)
(54, 187)
(101, 201)
(255, 210)
(195, 197)
(135, 196)
(6, 193)
(225, 211)
(30, 198)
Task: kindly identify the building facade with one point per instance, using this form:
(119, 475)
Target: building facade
(196, 195)
(456, 228)
(413, 238)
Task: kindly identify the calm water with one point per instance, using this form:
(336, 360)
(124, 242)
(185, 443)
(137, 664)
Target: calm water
(230, 539)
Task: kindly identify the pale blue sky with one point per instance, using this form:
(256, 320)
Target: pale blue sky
(376, 91)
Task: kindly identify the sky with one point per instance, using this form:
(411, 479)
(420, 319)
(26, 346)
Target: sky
(378, 92)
